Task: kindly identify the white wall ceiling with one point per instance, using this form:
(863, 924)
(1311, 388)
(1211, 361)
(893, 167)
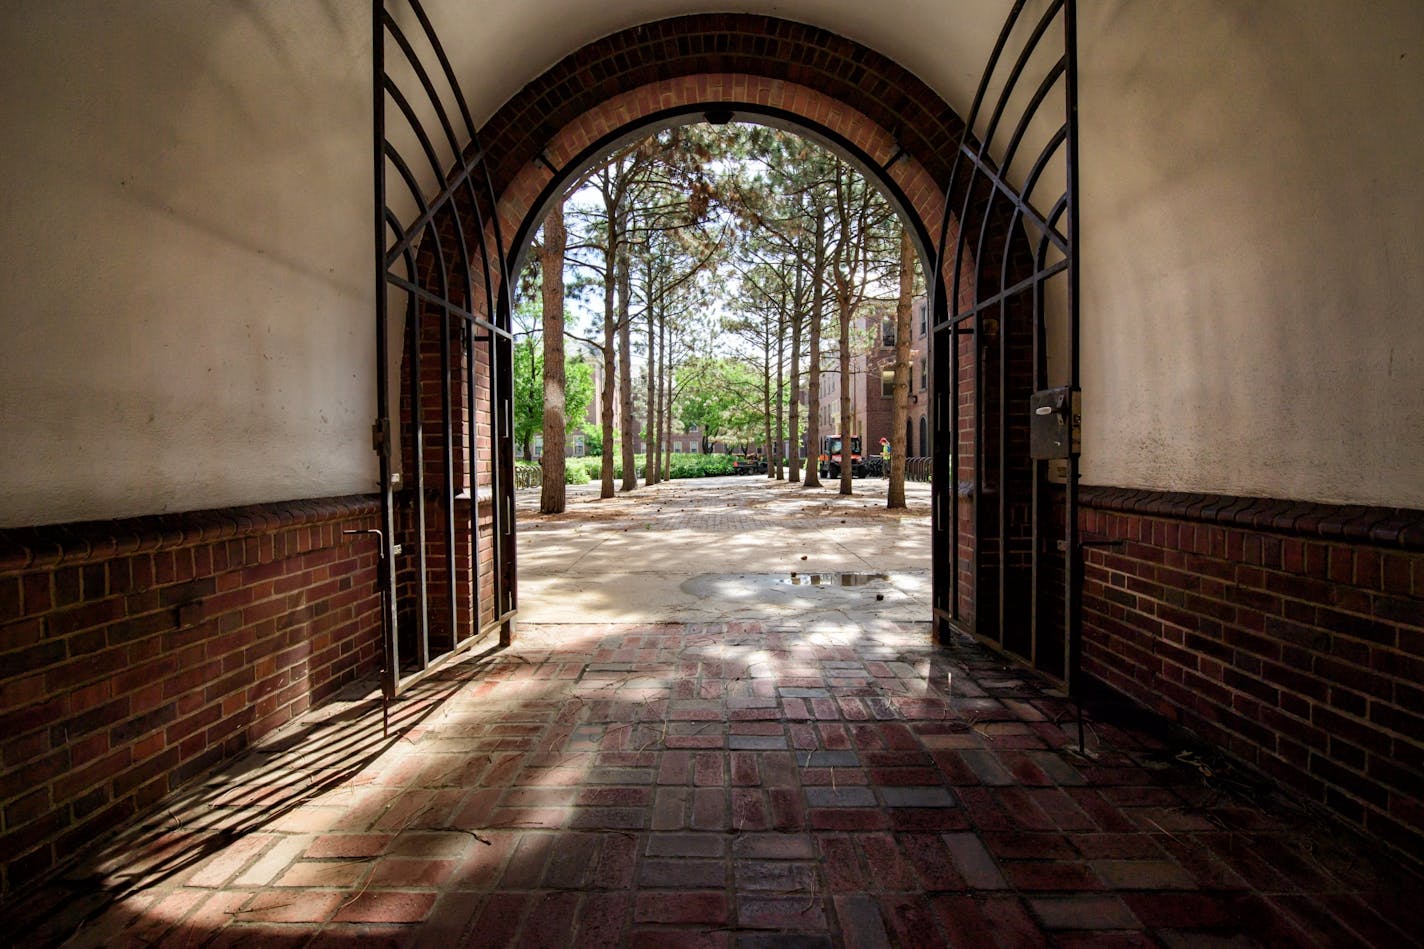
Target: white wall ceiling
(505, 43)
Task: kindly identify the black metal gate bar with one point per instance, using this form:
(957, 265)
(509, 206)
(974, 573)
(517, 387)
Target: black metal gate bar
(467, 335)
(979, 189)
(422, 565)
(502, 469)
(458, 205)
(945, 339)
(1038, 282)
(1040, 381)
(1035, 282)
(981, 164)
(422, 644)
(1005, 161)
(382, 430)
(500, 341)
(1072, 585)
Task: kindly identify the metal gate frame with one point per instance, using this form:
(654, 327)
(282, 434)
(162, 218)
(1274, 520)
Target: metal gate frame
(464, 203)
(978, 166)
(978, 189)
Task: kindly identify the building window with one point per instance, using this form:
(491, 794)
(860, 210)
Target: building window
(924, 319)
(887, 332)
(887, 383)
(923, 376)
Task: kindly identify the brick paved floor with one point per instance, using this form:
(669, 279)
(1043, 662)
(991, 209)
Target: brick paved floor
(802, 780)
(726, 785)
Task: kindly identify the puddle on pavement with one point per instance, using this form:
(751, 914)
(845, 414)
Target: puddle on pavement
(824, 590)
(834, 579)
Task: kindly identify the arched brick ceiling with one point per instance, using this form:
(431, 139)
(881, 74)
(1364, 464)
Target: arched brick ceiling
(721, 43)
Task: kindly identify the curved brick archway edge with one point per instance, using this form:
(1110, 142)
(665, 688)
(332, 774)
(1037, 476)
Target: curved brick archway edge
(589, 89)
(807, 76)
(817, 79)
(782, 73)
(788, 74)
(854, 134)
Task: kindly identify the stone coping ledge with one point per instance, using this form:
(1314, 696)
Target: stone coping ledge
(50, 545)
(1386, 526)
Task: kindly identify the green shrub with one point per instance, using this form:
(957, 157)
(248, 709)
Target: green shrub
(701, 466)
(581, 470)
(575, 472)
(584, 470)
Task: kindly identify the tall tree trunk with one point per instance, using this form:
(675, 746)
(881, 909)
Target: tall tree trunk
(843, 308)
(793, 461)
(767, 446)
(850, 247)
(650, 470)
(813, 380)
(900, 411)
(780, 394)
(609, 366)
(655, 449)
(667, 432)
(667, 401)
(552, 497)
(625, 371)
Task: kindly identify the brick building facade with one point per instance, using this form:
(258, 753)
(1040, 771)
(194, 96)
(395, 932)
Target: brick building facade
(872, 384)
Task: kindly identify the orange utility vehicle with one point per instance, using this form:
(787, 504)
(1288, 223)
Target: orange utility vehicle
(831, 458)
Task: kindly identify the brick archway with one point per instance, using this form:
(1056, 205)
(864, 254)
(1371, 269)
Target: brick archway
(773, 71)
(846, 95)
(612, 81)
(848, 132)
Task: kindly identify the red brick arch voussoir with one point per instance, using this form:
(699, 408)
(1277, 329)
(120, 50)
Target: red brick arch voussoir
(817, 113)
(809, 76)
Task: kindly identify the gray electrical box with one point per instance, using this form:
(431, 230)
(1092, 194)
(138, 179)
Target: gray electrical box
(1055, 427)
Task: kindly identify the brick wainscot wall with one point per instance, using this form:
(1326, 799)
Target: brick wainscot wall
(1291, 634)
(136, 654)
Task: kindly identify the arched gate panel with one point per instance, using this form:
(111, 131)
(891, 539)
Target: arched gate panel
(447, 487)
(1005, 352)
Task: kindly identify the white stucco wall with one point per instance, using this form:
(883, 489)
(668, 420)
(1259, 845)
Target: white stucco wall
(186, 251)
(185, 257)
(1253, 294)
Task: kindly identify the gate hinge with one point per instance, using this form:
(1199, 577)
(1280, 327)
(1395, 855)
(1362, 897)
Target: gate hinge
(381, 436)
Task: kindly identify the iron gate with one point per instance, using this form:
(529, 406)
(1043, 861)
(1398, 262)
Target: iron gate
(447, 568)
(1005, 515)
(1005, 531)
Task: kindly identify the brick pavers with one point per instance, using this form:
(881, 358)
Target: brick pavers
(804, 777)
(721, 785)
